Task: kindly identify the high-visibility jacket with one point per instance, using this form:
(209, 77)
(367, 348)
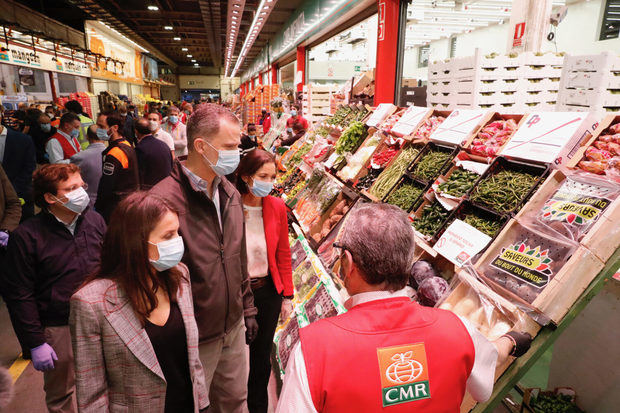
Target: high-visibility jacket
(391, 355)
(85, 122)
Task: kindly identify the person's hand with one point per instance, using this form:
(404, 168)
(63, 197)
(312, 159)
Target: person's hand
(521, 342)
(287, 309)
(43, 357)
(4, 239)
(251, 331)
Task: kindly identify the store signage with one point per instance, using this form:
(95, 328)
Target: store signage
(381, 26)
(458, 126)
(518, 36)
(460, 242)
(380, 114)
(550, 136)
(294, 29)
(410, 120)
(26, 76)
(44, 59)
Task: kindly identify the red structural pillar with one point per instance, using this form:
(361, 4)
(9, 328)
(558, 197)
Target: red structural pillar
(387, 48)
(260, 78)
(301, 67)
(274, 74)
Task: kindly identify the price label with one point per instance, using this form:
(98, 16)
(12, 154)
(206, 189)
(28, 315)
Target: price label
(380, 114)
(460, 242)
(410, 120)
(458, 126)
(544, 136)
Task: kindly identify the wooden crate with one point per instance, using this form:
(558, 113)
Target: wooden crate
(493, 116)
(371, 135)
(580, 153)
(431, 113)
(428, 199)
(603, 239)
(461, 156)
(569, 282)
(349, 197)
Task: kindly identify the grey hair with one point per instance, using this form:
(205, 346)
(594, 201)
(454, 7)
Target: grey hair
(205, 121)
(382, 244)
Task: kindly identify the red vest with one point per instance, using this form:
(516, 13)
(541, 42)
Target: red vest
(388, 355)
(67, 149)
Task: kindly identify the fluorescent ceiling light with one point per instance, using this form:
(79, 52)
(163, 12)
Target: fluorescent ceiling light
(189, 55)
(184, 49)
(168, 27)
(176, 38)
(153, 8)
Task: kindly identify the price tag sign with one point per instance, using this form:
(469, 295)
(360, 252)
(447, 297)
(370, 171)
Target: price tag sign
(380, 114)
(410, 120)
(460, 242)
(458, 126)
(545, 136)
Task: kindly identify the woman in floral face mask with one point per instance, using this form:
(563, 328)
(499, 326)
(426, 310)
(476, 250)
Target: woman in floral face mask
(269, 264)
(139, 308)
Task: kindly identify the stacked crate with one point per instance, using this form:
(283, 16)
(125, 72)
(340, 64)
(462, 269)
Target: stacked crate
(590, 83)
(507, 84)
(317, 101)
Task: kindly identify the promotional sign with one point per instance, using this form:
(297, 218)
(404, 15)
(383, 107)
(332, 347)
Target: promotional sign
(460, 242)
(410, 120)
(44, 59)
(458, 126)
(550, 136)
(124, 61)
(380, 114)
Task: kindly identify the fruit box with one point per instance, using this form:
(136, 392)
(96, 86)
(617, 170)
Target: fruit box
(428, 199)
(495, 116)
(455, 165)
(574, 266)
(431, 146)
(320, 229)
(579, 154)
(407, 180)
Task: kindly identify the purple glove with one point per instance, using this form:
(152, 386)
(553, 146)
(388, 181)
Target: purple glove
(43, 357)
(4, 238)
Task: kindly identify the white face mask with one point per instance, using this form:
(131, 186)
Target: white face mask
(77, 200)
(170, 253)
(153, 125)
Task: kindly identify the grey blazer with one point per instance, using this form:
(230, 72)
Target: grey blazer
(116, 369)
(90, 162)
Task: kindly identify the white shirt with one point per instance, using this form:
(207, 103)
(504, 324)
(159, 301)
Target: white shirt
(165, 137)
(3, 134)
(70, 226)
(54, 149)
(296, 396)
(255, 242)
(179, 135)
(203, 185)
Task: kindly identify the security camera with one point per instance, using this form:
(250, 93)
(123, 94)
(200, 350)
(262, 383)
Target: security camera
(558, 15)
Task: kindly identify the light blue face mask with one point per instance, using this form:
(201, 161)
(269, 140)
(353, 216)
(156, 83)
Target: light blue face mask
(227, 161)
(261, 188)
(293, 113)
(103, 134)
(75, 133)
(170, 253)
(77, 200)
(46, 127)
(173, 119)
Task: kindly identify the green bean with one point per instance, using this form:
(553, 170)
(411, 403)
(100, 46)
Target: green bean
(503, 191)
(433, 216)
(391, 174)
(483, 225)
(405, 196)
(459, 182)
(430, 165)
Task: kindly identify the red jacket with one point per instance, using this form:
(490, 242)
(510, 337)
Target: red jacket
(266, 124)
(389, 354)
(275, 222)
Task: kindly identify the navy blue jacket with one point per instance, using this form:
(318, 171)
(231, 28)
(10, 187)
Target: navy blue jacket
(19, 162)
(154, 161)
(44, 266)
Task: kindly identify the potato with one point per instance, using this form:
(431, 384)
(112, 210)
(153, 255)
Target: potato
(465, 306)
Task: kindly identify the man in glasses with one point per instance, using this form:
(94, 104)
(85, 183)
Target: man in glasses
(388, 351)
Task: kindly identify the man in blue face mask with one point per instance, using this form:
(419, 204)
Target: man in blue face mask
(41, 132)
(249, 140)
(64, 144)
(212, 226)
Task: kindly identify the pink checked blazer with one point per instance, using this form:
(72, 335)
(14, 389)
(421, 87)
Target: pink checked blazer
(116, 369)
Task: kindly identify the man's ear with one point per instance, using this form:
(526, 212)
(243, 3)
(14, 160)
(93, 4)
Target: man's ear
(50, 198)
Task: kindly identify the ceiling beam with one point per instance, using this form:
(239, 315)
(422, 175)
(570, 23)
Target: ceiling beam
(163, 14)
(209, 10)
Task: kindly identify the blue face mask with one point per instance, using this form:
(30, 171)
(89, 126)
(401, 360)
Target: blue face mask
(170, 253)
(46, 127)
(293, 113)
(103, 134)
(75, 133)
(227, 161)
(261, 188)
(77, 200)
(173, 119)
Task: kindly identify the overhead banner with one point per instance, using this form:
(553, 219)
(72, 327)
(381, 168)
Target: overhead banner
(149, 68)
(125, 61)
(44, 59)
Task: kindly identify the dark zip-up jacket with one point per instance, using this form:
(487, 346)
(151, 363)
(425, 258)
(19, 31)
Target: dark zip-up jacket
(216, 257)
(44, 266)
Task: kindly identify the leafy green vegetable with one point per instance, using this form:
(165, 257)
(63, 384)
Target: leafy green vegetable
(433, 216)
(459, 182)
(351, 138)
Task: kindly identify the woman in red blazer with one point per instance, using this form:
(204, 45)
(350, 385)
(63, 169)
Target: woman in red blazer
(269, 264)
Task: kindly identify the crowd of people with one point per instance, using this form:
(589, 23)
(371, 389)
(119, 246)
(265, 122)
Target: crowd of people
(158, 255)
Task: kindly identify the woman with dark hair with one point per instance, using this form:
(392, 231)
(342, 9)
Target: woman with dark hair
(269, 264)
(134, 335)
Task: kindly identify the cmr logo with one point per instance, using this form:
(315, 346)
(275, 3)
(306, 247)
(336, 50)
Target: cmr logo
(404, 374)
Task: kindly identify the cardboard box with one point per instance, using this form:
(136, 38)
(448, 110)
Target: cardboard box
(551, 137)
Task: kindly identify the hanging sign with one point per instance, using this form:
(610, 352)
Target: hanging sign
(43, 59)
(26, 76)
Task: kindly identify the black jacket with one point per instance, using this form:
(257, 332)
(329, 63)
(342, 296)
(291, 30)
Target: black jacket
(154, 161)
(119, 177)
(44, 266)
(40, 138)
(19, 163)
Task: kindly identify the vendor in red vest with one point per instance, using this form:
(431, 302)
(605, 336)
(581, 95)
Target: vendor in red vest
(296, 117)
(64, 143)
(388, 353)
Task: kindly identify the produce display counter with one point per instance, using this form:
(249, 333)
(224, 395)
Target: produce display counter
(524, 243)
